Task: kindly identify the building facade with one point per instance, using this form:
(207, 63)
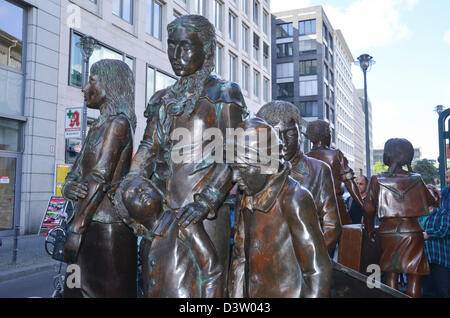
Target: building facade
(359, 137)
(360, 94)
(303, 70)
(29, 68)
(41, 78)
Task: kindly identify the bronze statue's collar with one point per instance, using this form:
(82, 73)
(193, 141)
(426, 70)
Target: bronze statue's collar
(300, 163)
(264, 200)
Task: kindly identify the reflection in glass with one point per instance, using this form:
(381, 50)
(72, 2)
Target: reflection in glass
(11, 34)
(11, 85)
(9, 135)
(7, 188)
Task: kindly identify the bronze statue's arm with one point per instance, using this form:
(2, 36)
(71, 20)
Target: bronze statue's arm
(370, 204)
(348, 177)
(143, 161)
(328, 211)
(236, 284)
(116, 138)
(309, 245)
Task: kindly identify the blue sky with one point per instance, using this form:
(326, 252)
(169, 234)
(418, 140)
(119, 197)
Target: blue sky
(410, 42)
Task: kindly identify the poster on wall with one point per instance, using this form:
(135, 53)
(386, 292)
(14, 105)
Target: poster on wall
(56, 210)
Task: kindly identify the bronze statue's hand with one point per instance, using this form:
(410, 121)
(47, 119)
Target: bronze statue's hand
(193, 212)
(72, 247)
(75, 190)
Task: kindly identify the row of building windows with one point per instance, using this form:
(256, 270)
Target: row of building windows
(306, 88)
(306, 68)
(285, 30)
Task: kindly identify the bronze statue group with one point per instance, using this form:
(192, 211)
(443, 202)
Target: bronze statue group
(287, 220)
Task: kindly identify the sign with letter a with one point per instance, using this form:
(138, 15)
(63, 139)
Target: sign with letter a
(74, 119)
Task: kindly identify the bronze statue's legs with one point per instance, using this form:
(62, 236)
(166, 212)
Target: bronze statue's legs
(392, 280)
(413, 286)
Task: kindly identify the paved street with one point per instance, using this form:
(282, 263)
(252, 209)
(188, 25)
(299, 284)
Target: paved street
(34, 285)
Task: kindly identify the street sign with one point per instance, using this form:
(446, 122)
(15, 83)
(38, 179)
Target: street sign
(74, 120)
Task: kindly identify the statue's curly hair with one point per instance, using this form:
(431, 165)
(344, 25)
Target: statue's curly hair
(317, 130)
(278, 111)
(398, 152)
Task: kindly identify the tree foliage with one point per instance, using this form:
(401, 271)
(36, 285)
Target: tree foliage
(378, 167)
(427, 170)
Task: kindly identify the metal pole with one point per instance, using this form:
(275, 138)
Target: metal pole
(85, 81)
(366, 109)
(15, 248)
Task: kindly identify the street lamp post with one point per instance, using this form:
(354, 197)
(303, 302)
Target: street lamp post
(87, 45)
(365, 61)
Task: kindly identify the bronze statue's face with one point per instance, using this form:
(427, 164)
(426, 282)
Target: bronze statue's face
(185, 50)
(93, 93)
(289, 134)
(249, 178)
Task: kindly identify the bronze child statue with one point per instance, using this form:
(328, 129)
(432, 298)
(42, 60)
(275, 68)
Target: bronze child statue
(318, 132)
(99, 242)
(400, 197)
(192, 189)
(279, 249)
(313, 174)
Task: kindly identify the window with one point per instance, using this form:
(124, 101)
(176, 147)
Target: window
(10, 133)
(245, 74)
(331, 78)
(266, 55)
(284, 30)
(11, 35)
(219, 59)
(307, 27)
(244, 6)
(156, 81)
(284, 50)
(266, 87)
(266, 22)
(154, 19)
(11, 56)
(256, 83)
(232, 67)
(100, 52)
(256, 12)
(285, 90)
(307, 46)
(330, 40)
(255, 46)
(309, 109)
(324, 33)
(308, 87)
(218, 15)
(232, 26)
(200, 7)
(308, 67)
(93, 1)
(245, 33)
(285, 70)
(123, 9)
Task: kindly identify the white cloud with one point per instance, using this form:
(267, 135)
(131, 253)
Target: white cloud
(368, 24)
(447, 37)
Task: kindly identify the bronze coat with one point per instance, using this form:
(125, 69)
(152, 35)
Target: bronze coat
(108, 253)
(279, 249)
(316, 176)
(221, 105)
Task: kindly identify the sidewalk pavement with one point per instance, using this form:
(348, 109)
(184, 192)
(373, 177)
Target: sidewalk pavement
(31, 256)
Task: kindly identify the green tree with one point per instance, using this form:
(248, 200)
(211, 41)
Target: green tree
(378, 167)
(427, 170)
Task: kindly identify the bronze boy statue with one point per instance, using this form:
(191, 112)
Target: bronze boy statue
(99, 242)
(279, 249)
(319, 133)
(313, 174)
(192, 189)
(400, 197)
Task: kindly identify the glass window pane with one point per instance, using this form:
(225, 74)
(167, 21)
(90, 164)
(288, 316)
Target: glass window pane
(9, 135)
(150, 83)
(163, 81)
(127, 10)
(76, 61)
(116, 7)
(11, 85)
(157, 19)
(7, 192)
(11, 31)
